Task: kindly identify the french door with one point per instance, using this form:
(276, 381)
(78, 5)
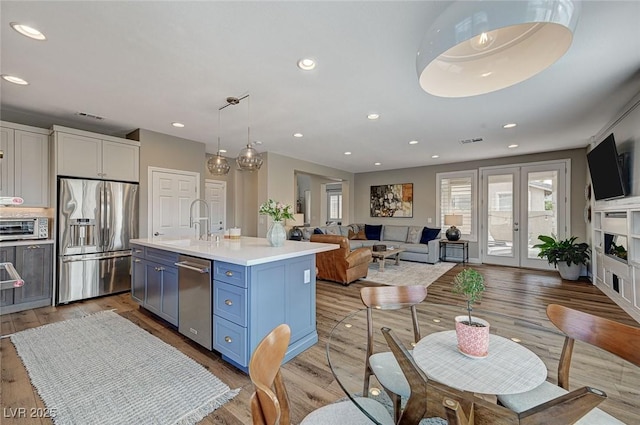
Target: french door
(518, 204)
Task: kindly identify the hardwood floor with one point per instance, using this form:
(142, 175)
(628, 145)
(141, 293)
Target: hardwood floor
(517, 292)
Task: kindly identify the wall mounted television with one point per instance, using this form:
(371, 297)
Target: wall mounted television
(607, 170)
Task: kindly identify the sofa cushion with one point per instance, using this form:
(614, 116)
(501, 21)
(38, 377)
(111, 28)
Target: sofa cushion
(429, 234)
(415, 247)
(414, 234)
(344, 230)
(332, 230)
(395, 233)
(357, 236)
(373, 231)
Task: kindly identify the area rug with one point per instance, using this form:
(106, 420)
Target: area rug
(103, 368)
(407, 273)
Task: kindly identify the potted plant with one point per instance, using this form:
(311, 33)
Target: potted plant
(472, 332)
(566, 255)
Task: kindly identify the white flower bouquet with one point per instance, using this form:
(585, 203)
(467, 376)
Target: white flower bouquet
(276, 210)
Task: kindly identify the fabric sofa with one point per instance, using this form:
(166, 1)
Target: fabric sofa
(391, 235)
(341, 265)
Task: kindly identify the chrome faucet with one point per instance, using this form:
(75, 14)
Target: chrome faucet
(193, 221)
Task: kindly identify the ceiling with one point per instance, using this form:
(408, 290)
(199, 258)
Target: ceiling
(148, 64)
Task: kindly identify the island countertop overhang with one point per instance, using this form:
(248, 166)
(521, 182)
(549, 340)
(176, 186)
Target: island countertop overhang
(246, 251)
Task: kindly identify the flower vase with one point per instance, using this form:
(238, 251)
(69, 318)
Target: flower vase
(276, 235)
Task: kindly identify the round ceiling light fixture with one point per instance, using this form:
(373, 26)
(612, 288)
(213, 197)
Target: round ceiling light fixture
(373, 117)
(306, 64)
(28, 31)
(512, 146)
(177, 124)
(297, 135)
(413, 142)
(479, 47)
(510, 125)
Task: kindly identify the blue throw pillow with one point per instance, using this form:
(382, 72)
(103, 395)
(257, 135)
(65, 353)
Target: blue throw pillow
(373, 231)
(429, 235)
(317, 231)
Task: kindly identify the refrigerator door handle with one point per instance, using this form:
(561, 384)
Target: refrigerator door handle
(93, 257)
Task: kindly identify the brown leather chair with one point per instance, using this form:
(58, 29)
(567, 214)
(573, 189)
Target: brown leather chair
(341, 265)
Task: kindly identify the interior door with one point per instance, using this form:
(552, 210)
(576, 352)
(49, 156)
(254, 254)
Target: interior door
(172, 192)
(519, 204)
(215, 194)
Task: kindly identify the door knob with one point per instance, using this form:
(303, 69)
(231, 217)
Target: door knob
(158, 234)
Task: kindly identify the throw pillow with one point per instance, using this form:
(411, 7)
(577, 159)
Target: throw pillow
(429, 234)
(373, 231)
(332, 230)
(317, 231)
(357, 236)
(414, 234)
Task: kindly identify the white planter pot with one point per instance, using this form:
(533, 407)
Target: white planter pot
(473, 341)
(571, 272)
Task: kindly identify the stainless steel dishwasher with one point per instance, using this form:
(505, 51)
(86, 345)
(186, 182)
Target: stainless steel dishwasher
(194, 299)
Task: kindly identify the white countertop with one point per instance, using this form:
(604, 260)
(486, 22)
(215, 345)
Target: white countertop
(26, 242)
(245, 251)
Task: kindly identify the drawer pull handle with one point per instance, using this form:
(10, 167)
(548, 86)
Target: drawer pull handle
(136, 260)
(138, 251)
(229, 273)
(227, 339)
(228, 302)
(159, 269)
(33, 247)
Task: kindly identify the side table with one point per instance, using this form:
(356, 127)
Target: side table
(464, 244)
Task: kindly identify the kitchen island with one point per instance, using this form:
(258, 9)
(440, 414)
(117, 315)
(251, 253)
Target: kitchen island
(250, 288)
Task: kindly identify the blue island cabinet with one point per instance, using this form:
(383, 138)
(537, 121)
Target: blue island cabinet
(250, 301)
(154, 281)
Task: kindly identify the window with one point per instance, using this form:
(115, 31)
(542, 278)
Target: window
(503, 201)
(334, 202)
(456, 193)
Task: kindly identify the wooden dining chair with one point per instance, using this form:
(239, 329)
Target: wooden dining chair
(270, 401)
(432, 399)
(616, 338)
(384, 365)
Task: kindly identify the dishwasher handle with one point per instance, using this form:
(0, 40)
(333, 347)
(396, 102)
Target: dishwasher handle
(186, 265)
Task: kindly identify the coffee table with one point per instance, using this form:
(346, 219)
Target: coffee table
(380, 256)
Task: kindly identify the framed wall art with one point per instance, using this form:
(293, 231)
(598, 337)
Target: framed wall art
(392, 200)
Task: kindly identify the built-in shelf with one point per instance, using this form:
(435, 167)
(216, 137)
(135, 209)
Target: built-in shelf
(616, 277)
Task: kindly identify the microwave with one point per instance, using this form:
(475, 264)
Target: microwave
(19, 228)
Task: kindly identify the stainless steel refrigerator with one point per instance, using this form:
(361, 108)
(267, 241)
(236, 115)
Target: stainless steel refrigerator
(96, 219)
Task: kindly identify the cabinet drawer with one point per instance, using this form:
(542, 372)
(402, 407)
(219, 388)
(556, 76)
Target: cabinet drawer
(230, 339)
(230, 273)
(230, 302)
(137, 251)
(166, 257)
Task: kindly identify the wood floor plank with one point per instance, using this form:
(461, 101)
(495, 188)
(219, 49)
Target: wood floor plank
(521, 293)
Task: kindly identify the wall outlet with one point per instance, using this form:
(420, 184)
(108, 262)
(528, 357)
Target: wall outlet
(307, 276)
(429, 220)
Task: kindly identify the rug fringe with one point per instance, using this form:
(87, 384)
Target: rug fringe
(197, 415)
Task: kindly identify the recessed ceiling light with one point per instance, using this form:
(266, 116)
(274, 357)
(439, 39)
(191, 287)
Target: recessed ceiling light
(28, 31)
(297, 135)
(306, 64)
(373, 116)
(413, 142)
(435, 156)
(486, 74)
(510, 125)
(512, 146)
(257, 142)
(347, 153)
(377, 163)
(15, 80)
(222, 151)
(177, 124)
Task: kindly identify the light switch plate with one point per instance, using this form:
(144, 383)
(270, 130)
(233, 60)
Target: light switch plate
(307, 276)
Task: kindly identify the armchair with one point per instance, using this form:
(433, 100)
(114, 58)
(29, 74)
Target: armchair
(341, 265)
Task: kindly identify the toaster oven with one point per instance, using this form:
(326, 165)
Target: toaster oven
(19, 228)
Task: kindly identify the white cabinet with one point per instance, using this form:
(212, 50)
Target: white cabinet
(24, 168)
(616, 259)
(91, 155)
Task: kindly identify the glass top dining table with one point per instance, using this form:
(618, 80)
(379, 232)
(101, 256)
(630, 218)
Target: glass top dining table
(522, 354)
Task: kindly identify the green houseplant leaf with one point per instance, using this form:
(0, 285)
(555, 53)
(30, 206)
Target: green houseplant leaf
(470, 284)
(567, 250)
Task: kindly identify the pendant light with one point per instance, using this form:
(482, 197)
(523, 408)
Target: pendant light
(218, 164)
(249, 159)
(477, 47)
